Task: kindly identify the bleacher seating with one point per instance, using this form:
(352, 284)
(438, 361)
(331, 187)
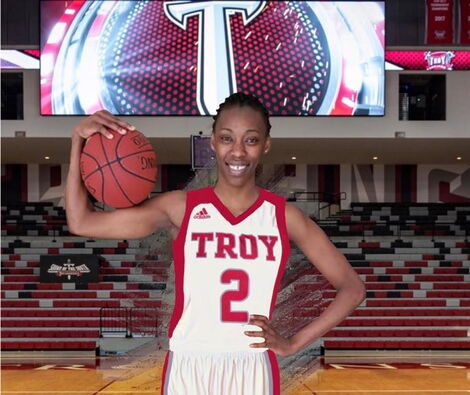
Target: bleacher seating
(417, 280)
(34, 219)
(64, 316)
(400, 219)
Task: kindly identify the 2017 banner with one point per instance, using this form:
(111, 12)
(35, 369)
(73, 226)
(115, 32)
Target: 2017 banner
(464, 21)
(439, 21)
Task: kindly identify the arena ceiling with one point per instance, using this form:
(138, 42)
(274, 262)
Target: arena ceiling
(312, 151)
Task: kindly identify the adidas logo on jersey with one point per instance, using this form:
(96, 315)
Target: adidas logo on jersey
(203, 214)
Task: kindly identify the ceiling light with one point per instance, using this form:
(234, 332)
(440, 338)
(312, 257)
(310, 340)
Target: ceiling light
(294, 158)
(459, 158)
(375, 157)
(47, 157)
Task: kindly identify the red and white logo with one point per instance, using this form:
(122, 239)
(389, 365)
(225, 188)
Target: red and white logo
(203, 214)
(68, 269)
(439, 60)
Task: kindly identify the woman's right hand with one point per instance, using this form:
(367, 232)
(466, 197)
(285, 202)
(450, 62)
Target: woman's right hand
(100, 122)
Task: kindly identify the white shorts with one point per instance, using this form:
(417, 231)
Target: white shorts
(225, 373)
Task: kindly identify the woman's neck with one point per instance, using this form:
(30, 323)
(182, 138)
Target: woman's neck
(236, 196)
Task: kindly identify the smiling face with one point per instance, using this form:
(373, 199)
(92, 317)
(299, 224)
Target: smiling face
(239, 139)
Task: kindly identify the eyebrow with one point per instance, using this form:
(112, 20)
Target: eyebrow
(249, 130)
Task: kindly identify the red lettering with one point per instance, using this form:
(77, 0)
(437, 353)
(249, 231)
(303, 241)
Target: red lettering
(253, 254)
(239, 294)
(225, 247)
(202, 237)
(269, 242)
(231, 246)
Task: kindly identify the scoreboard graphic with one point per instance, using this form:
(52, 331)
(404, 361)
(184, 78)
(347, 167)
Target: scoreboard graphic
(185, 57)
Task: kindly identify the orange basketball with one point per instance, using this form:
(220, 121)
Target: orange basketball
(120, 172)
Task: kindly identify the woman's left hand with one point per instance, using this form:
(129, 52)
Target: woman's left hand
(272, 339)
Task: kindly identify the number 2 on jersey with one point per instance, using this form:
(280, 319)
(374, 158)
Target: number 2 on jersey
(234, 295)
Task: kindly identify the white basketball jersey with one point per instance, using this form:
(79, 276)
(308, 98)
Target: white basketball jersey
(226, 268)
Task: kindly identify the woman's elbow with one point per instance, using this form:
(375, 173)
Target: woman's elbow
(74, 227)
(361, 291)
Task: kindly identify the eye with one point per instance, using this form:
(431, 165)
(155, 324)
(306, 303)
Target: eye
(252, 140)
(225, 139)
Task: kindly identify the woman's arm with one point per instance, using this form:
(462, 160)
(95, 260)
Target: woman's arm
(163, 211)
(333, 265)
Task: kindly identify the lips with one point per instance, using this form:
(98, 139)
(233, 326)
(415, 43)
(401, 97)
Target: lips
(237, 169)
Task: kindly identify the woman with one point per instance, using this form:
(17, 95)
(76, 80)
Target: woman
(231, 243)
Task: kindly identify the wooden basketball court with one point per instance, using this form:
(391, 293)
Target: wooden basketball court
(431, 374)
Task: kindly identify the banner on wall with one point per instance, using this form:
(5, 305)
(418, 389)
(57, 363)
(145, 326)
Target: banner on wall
(69, 268)
(439, 21)
(442, 60)
(464, 11)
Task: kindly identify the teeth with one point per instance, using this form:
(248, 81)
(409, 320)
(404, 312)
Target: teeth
(237, 168)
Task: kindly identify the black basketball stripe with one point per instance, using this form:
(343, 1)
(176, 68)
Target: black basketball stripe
(138, 176)
(97, 163)
(119, 159)
(135, 133)
(93, 172)
(110, 163)
(102, 173)
(135, 174)
(111, 170)
(137, 152)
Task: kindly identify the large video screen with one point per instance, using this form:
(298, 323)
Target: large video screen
(185, 57)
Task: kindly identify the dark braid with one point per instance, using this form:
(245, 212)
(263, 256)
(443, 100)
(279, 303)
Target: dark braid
(242, 99)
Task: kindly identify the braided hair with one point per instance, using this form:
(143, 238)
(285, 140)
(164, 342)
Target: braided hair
(242, 99)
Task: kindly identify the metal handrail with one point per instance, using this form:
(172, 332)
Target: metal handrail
(129, 317)
(125, 316)
(320, 197)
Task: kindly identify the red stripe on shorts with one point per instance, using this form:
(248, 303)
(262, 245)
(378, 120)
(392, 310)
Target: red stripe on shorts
(275, 373)
(165, 367)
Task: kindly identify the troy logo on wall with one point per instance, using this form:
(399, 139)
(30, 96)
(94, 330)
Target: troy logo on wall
(427, 60)
(185, 57)
(439, 60)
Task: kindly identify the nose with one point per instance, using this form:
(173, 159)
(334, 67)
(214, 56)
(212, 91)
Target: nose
(238, 149)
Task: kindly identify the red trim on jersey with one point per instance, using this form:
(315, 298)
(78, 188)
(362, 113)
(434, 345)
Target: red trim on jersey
(280, 204)
(165, 367)
(275, 373)
(207, 195)
(178, 257)
(227, 214)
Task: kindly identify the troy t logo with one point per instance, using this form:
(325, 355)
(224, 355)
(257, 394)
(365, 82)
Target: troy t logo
(215, 68)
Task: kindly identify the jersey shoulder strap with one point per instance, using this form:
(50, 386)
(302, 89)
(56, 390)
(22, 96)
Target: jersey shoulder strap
(193, 198)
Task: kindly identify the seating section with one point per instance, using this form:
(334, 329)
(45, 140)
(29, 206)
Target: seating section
(418, 286)
(34, 219)
(62, 316)
(398, 219)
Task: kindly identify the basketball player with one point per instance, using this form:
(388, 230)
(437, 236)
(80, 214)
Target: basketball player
(231, 243)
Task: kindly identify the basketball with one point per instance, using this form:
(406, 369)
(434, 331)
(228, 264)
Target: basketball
(120, 172)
